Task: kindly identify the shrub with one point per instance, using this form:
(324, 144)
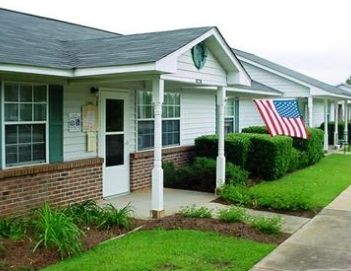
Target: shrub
(269, 226)
(235, 175)
(232, 214)
(13, 228)
(237, 194)
(193, 211)
(255, 130)
(237, 148)
(269, 157)
(171, 176)
(55, 230)
(206, 146)
(112, 217)
(293, 201)
(84, 213)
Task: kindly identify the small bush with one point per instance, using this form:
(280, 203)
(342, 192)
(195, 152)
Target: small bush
(13, 228)
(255, 130)
(232, 214)
(55, 230)
(269, 226)
(84, 213)
(193, 211)
(112, 217)
(237, 194)
(235, 175)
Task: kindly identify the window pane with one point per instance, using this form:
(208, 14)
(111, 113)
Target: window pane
(11, 132)
(145, 134)
(145, 112)
(38, 133)
(170, 132)
(114, 115)
(228, 125)
(39, 152)
(40, 93)
(114, 150)
(11, 92)
(40, 112)
(11, 155)
(11, 112)
(25, 133)
(26, 93)
(26, 112)
(24, 153)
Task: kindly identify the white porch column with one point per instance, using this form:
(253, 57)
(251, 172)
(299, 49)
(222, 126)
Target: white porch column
(325, 148)
(157, 210)
(310, 111)
(220, 173)
(346, 122)
(336, 120)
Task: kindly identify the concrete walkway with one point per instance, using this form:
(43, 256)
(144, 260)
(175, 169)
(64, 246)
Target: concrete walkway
(175, 200)
(322, 244)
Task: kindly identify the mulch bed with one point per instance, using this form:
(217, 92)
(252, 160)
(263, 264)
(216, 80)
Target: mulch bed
(16, 256)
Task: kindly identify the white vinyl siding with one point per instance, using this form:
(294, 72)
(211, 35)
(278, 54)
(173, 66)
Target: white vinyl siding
(249, 115)
(318, 113)
(212, 71)
(290, 88)
(198, 115)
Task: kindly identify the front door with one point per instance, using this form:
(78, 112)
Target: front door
(114, 106)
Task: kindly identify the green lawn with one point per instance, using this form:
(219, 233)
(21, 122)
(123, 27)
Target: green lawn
(318, 184)
(169, 250)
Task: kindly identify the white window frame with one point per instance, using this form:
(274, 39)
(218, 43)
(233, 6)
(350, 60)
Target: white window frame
(4, 123)
(229, 116)
(153, 119)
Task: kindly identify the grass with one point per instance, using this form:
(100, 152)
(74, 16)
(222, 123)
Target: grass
(169, 250)
(319, 184)
(309, 189)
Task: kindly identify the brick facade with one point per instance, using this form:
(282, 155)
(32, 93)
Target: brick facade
(22, 189)
(141, 164)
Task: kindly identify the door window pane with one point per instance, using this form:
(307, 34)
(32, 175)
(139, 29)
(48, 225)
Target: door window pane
(114, 115)
(114, 150)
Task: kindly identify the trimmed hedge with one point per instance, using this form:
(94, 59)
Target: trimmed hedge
(262, 155)
(255, 130)
(269, 157)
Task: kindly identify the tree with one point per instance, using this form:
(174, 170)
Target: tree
(348, 81)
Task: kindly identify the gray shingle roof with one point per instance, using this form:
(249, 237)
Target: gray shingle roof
(299, 76)
(37, 41)
(131, 49)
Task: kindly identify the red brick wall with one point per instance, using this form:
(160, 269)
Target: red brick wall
(22, 189)
(141, 164)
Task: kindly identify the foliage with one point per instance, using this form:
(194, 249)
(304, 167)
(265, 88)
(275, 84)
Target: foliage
(181, 250)
(13, 227)
(348, 81)
(269, 157)
(268, 225)
(233, 214)
(55, 230)
(237, 194)
(113, 217)
(84, 213)
(255, 130)
(206, 146)
(309, 189)
(196, 212)
(200, 175)
(341, 129)
(237, 147)
(235, 175)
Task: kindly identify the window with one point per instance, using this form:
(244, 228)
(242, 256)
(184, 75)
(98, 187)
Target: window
(170, 120)
(229, 115)
(25, 123)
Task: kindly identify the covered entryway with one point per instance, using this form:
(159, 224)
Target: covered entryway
(113, 141)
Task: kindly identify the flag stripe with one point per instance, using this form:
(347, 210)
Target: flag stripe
(282, 117)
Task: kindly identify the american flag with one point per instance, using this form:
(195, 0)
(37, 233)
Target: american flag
(282, 117)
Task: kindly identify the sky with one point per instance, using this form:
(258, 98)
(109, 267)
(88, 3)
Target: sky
(310, 36)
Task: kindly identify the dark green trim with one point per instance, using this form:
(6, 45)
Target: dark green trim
(236, 115)
(55, 123)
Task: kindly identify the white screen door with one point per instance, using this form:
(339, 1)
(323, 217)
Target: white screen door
(113, 143)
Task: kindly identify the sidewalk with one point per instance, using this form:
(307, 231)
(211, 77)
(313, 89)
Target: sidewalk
(322, 244)
(175, 199)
